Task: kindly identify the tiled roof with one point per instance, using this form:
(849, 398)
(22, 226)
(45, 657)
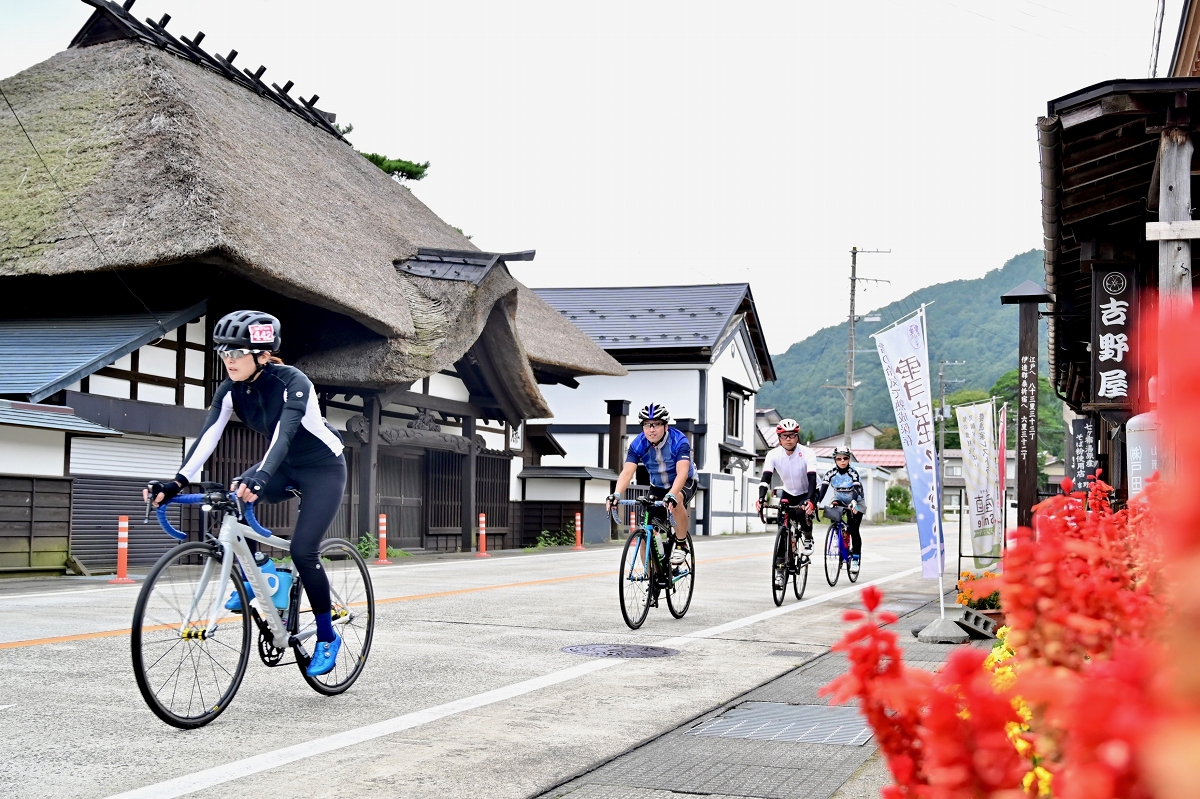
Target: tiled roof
(41, 356)
(885, 458)
(51, 417)
(649, 317)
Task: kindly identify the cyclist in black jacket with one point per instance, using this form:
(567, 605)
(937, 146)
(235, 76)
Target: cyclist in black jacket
(304, 453)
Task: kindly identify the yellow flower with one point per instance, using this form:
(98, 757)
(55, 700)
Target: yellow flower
(1041, 777)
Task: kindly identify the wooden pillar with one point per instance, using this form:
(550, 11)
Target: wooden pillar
(468, 484)
(1027, 413)
(618, 412)
(1027, 296)
(368, 469)
(1174, 256)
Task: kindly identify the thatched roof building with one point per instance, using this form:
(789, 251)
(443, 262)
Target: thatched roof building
(154, 162)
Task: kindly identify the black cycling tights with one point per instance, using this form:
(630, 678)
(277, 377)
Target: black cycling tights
(321, 488)
(853, 520)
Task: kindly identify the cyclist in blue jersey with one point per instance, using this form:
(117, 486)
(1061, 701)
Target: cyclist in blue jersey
(847, 490)
(667, 456)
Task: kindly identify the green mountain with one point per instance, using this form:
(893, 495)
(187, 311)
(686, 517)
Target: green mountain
(966, 323)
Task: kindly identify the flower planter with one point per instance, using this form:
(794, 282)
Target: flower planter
(996, 615)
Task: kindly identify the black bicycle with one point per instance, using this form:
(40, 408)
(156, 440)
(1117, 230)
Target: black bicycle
(645, 570)
(788, 562)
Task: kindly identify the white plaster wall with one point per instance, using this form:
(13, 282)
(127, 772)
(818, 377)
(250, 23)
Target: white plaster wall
(441, 385)
(595, 491)
(29, 450)
(547, 489)
(580, 447)
(678, 389)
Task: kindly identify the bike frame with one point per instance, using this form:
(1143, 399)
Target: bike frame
(647, 527)
(234, 538)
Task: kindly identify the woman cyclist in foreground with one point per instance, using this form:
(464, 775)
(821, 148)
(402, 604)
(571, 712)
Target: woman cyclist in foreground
(304, 453)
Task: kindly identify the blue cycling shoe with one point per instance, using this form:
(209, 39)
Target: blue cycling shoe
(324, 658)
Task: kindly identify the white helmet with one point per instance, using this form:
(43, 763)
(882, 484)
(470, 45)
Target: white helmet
(787, 426)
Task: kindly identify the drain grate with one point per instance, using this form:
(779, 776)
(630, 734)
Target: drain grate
(775, 721)
(619, 651)
(792, 653)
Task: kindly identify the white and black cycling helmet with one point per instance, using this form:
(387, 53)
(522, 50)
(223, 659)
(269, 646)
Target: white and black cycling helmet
(787, 426)
(842, 451)
(655, 413)
(252, 330)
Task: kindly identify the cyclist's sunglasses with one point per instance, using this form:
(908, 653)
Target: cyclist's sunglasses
(654, 424)
(233, 355)
(789, 435)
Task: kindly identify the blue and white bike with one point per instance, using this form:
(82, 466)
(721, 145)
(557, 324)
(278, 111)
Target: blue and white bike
(837, 547)
(190, 652)
(645, 571)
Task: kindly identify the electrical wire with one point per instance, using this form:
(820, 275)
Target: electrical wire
(71, 205)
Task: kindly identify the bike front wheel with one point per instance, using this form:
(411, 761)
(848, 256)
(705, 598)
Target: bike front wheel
(683, 576)
(800, 577)
(352, 599)
(779, 567)
(186, 670)
(634, 580)
(833, 555)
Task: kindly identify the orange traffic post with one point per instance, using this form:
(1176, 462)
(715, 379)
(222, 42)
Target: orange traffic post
(122, 551)
(578, 530)
(482, 553)
(383, 559)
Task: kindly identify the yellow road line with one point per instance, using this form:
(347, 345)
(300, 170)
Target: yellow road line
(64, 639)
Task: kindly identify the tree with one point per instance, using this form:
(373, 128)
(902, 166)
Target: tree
(964, 396)
(889, 438)
(397, 167)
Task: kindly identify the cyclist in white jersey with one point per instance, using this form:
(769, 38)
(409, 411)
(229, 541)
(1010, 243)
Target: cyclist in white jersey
(797, 474)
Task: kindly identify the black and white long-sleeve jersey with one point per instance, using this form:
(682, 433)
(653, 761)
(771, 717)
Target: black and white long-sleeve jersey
(280, 404)
(846, 486)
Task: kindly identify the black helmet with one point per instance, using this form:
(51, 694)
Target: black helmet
(654, 412)
(253, 330)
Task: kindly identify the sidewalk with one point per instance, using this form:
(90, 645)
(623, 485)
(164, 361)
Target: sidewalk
(703, 757)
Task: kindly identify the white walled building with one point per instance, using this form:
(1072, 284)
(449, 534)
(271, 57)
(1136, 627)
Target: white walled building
(700, 351)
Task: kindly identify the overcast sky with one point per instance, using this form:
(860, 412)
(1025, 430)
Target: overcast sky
(636, 143)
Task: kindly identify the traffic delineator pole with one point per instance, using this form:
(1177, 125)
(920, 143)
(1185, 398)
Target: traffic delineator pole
(578, 530)
(482, 553)
(122, 551)
(383, 559)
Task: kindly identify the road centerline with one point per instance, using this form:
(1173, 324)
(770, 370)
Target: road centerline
(266, 761)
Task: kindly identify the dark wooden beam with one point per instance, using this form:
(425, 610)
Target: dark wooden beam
(368, 460)
(430, 403)
(468, 485)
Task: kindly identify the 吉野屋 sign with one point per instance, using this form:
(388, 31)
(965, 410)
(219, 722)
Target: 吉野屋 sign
(1114, 351)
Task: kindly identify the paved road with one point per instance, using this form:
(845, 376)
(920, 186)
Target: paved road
(467, 692)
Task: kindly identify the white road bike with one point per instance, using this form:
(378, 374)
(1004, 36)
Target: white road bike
(190, 652)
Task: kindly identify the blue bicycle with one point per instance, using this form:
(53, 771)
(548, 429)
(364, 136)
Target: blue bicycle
(645, 571)
(837, 547)
(190, 652)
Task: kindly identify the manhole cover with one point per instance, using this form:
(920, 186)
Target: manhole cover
(619, 651)
(775, 721)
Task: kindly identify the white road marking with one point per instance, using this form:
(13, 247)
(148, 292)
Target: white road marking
(218, 775)
(6, 707)
(114, 589)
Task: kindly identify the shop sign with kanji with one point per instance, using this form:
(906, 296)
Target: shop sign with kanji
(1114, 356)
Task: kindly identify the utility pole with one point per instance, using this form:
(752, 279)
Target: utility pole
(942, 381)
(848, 389)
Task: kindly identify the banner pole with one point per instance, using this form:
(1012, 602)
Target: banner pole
(908, 315)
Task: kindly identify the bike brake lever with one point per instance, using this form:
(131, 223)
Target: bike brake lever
(148, 503)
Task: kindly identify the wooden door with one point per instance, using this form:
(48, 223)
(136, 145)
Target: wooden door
(400, 484)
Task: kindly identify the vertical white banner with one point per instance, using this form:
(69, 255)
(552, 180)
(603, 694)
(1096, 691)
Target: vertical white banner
(1002, 468)
(981, 479)
(904, 354)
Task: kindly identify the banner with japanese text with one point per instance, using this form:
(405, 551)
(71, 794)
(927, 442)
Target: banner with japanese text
(1002, 465)
(904, 354)
(981, 477)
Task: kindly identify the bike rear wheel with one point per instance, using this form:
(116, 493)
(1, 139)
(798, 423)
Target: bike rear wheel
(634, 580)
(679, 596)
(800, 577)
(186, 673)
(833, 555)
(353, 611)
(780, 558)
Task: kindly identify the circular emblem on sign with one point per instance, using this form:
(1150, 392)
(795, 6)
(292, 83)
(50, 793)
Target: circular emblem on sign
(1114, 283)
(914, 336)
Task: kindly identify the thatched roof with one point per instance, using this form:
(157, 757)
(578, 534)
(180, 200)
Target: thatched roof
(164, 162)
(553, 341)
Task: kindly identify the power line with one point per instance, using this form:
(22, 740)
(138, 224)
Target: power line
(1157, 40)
(71, 205)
